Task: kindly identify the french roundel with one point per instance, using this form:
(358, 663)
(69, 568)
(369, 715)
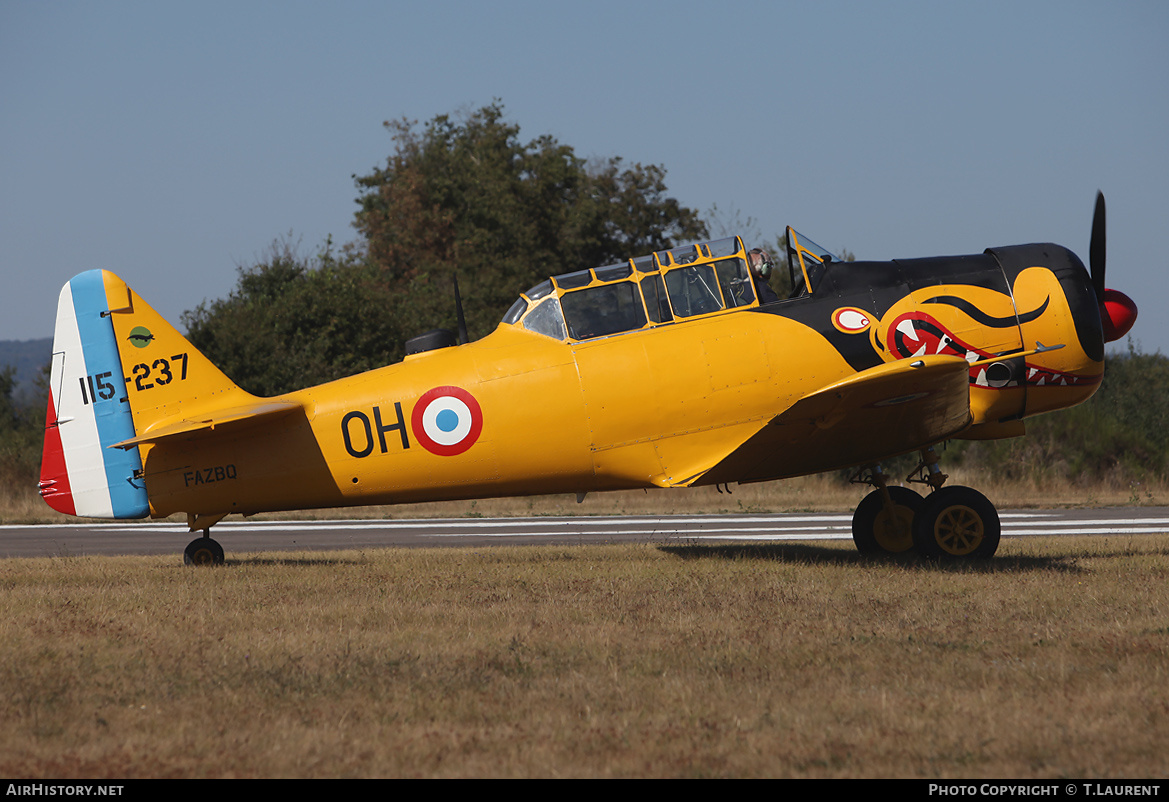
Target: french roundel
(447, 421)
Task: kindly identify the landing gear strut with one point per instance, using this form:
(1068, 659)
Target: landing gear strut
(951, 523)
(883, 522)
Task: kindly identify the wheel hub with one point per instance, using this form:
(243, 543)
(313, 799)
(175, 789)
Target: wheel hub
(893, 529)
(959, 530)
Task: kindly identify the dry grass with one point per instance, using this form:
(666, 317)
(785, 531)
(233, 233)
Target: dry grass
(619, 661)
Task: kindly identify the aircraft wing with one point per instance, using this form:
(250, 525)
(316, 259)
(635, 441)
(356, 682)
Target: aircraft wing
(891, 409)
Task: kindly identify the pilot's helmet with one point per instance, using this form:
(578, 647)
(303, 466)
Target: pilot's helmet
(761, 261)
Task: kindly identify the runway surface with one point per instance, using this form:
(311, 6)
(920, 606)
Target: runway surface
(242, 537)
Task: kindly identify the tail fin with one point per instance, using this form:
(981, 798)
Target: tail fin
(119, 370)
(89, 411)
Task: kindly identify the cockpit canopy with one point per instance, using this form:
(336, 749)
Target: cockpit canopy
(681, 283)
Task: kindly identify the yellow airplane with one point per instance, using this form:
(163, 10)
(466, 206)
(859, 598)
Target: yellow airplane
(674, 369)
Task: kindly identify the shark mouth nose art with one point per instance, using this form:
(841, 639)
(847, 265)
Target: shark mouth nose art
(917, 334)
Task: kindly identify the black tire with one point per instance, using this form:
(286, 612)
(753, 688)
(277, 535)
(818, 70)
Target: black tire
(876, 530)
(203, 551)
(957, 523)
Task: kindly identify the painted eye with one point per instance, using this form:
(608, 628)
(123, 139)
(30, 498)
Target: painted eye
(850, 320)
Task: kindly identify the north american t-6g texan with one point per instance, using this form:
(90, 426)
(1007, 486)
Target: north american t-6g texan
(668, 370)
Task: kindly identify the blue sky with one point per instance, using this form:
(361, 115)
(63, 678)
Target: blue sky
(174, 142)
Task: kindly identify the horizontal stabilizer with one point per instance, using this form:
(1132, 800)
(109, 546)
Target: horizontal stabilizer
(211, 420)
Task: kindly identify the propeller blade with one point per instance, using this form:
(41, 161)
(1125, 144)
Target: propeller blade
(1117, 310)
(1097, 248)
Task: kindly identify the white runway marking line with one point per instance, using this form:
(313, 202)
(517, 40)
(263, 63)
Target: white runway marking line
(710, 527)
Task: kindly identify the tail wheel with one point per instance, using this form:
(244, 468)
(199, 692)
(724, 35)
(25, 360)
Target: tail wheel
(878, 528)
(203, 551)
(956, 523)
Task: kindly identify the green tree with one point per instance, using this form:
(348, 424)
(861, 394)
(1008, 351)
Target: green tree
(21, 432)
(467, 195)
(458, 197)
(9, 414)
(296, 321)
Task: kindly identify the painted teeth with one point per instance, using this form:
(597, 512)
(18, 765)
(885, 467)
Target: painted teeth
(907, 328)
(971, 357)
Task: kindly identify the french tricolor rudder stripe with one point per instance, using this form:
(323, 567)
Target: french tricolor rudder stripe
(54, 483)
(88, 411)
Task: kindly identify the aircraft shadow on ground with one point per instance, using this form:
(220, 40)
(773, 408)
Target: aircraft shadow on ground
(807, 553)
(821, 555)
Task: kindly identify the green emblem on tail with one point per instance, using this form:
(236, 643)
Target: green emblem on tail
(140, 337)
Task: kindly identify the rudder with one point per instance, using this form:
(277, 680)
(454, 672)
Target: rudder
(88, 411)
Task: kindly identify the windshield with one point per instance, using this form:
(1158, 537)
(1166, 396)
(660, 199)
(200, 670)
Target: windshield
(806, 262)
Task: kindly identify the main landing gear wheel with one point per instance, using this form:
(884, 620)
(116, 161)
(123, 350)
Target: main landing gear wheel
(203, 551)
(956, 523)
(878, 528)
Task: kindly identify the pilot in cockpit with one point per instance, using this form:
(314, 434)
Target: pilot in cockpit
(761, 266)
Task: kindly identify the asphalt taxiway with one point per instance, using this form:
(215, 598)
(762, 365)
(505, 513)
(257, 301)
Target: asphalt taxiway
(240, 537)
